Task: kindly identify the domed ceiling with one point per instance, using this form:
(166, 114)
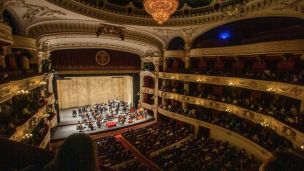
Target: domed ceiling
(139, 3)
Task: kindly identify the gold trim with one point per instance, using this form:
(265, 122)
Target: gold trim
(105, 54)
(98, 71)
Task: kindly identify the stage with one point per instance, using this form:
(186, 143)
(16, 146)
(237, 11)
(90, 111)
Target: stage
(67, 125)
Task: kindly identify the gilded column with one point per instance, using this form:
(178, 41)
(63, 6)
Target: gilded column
(164, 60)
(187, 57)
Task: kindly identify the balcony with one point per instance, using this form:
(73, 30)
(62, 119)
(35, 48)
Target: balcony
(51, 98)
(146, 106)
(147, 90)
(281, 128)
(224, 134)
(285, 89)
(29, 124)
(8, 90)
(53, 121)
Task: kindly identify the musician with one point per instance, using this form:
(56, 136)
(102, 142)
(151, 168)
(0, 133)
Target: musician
(119, 118)
(146, 114)
(79, 126)
(99, 124)
(91, 125)
(123, 120)
(74, 113)
(79, 110)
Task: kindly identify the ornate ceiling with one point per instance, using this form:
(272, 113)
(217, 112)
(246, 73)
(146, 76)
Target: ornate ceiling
(73, 23)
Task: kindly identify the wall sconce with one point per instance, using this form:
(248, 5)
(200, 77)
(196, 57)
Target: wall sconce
(57, 102)
(302, 147)
(46, 115)
(153, 97)
(43, 83)
(231, 84)
(197, 103)
(270, 89)
(199, 80)
(171, 97)
(23, 92)
(173, 78)
(138, 93)
(264, 124)
(228, 110)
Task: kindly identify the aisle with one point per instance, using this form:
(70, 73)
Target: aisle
(136, 154)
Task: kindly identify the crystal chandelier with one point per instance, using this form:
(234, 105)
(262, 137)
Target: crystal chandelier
(161, 9)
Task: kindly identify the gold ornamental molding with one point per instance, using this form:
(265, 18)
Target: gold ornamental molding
(293, 135)
(96, 46)
(102, 58)
(97, 71)
(45, 31)
(24, 43)
(285, 89)
(6, 33)
(274, 47)
(185, 16)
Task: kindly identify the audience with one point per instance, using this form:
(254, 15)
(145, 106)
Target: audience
(260, 134)
(156, 136)
(111, 152)
(133, 166)
(272, 106)
(204, 154)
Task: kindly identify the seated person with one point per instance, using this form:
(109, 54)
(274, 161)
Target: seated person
(25, 110)
(174, 90)
(41, 101)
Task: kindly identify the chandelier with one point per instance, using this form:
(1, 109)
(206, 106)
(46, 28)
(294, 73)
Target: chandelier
(161, 9)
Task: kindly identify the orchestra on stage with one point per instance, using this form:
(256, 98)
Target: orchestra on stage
(108, 115)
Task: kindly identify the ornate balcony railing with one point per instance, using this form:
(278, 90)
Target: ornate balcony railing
(290, 90)
(221, 133)
(147, 90)
(216, 11)
(27, 126)
(46, 139)
(8, 90)
(6, 33)
(281, 128)
(146, 106)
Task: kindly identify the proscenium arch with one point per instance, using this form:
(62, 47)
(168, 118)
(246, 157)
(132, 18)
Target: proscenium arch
(91, 28)
(177, 43)
(294, 15)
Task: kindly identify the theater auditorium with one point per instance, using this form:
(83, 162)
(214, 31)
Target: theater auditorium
(151, 85)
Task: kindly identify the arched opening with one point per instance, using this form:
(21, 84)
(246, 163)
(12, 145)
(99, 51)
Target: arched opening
(7, 17)
(176, 43)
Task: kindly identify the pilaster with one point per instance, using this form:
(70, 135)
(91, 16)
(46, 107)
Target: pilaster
(186, 58)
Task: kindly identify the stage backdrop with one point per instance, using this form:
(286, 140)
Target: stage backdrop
(81, 91)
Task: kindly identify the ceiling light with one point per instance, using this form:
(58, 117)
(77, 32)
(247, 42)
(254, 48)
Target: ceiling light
(161, 9)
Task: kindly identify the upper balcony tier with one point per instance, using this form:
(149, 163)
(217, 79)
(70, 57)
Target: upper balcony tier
(186, 15)
(291, 90)
(11, 89)
(281, 128)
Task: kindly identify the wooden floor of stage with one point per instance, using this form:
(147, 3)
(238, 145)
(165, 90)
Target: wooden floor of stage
(67, 125)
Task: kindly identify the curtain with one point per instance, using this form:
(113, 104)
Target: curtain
(82, 91)
(84, 59)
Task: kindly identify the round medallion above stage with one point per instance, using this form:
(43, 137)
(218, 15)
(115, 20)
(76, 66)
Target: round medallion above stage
(102, 58)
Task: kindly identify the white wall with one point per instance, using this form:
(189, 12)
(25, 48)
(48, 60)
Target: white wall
(81, 91)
